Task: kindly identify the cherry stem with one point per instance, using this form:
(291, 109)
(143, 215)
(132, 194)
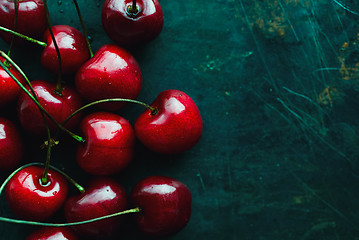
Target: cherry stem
(15, 28)
(132, 10)
(44, 179)
(83, 28)
(152, 109)
(34, 99)
(42, 44)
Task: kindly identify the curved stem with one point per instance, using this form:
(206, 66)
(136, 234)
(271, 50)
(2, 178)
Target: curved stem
(83, 28)
(42, 44)
(15, 29)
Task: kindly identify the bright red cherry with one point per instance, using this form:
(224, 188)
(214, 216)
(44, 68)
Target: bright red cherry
(165, 205)
(29, 199)
(31, 18)
(52, 233)
(9, 90)
(104, 196)
(175, 128)
(73, 49)
(111, 73)
(128, 26)
(109, 143)
(59, 106)
(11, 145)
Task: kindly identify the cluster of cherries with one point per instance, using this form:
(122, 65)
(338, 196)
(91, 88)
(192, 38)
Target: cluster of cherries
(110, 78)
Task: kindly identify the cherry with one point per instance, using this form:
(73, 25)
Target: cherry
(111, 73)
(175, 128)
(11, 145)
(31, 199)
(72, 46)
(31, 18)
(53, 233)
(109, 143)
(128, 23)
(165, 205)
(58, 105)
(103, 196)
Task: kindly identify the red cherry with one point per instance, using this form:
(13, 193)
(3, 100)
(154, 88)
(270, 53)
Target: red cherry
(103, 197)
(53, 233)
(31, 18)
(109, 143)
(9, 90)
(72, 46)
(132, 28)
(11, 145)
(111, 73)
(29, 199)
(60, 107)
(175, 128)
(165, 205)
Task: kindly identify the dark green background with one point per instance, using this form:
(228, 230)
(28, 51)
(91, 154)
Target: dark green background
(277, 159)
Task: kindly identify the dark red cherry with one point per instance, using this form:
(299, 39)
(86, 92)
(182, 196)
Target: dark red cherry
(165, 205)
(9, 90)
(29, 199)
(52, 233)
(104, 196)
(175, 128)
(31, 18)
(109, 143)
(129, 27)
(72, 46)
(111, 73)
(11, 145)
(59, 106)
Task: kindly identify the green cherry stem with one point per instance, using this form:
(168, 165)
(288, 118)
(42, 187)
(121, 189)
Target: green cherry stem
(15, 28)
(42, 44)
(132, 10)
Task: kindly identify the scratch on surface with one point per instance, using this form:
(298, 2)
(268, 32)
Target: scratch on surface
(201, 180)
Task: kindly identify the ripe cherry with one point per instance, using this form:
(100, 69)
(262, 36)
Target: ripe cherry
(52, 233)
(109, 143)
(165, 205)
(175, 128)
(30, 199)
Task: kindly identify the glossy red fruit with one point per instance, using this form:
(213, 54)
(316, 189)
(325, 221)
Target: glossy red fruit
(31, 18)
(72, 46)
(52, 233)
(111, 73)
(128, 28)
(9, 90)
(60, 107)
(175, 128)
(11, 145)
(109, 143)
(104, 196)
(165, 205)
(29, 199)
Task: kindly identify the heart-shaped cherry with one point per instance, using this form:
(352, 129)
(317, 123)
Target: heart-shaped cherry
(175, 128)
(53, 233)
(109, 143)
(30, 199)
(72, 46)
(165, 205)
(31, 18)
(104, 196)
(11, 145)
(111, 73)
(130, 23)
(60, 106)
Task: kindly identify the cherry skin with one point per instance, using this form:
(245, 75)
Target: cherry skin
(72, 46)
(175, 128)
(128, 28)
(52, 233)
(60, 107)
(111, 73)
(31, 18)
(165, 205)
(11, 145)
(31, 200)
(104, 196)
(109, 143)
